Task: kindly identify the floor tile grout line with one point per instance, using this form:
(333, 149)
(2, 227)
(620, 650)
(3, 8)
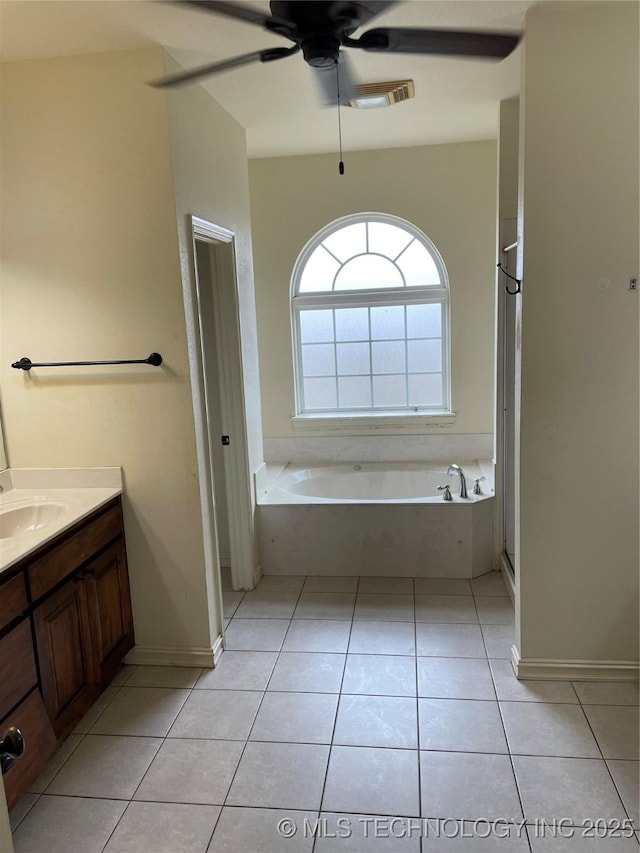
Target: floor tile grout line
(81, 735)
(163, 739)
(113, 831)
(511, 822)
(335, 721)
(37, 797)
(243, 750)
(511, 764)
(608, 769)
(418, 738)
(50, 782)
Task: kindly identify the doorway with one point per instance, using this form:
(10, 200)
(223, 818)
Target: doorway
(208, 262)
(216, 370)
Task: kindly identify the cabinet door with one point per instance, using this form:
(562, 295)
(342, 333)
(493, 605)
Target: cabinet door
(109, 598)
(64, 651)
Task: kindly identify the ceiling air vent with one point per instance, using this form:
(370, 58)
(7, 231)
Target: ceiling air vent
(371, 95)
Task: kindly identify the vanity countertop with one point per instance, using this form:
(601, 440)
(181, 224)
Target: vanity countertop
(73, 492)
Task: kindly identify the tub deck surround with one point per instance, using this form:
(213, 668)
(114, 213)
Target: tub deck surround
(340, 448)
(77, 491)
(376, 519)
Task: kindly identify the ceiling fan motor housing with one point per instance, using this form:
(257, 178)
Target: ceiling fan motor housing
(320, 28)
(321, 51)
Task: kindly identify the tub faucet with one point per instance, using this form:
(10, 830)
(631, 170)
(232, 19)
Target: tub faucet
(454, 469)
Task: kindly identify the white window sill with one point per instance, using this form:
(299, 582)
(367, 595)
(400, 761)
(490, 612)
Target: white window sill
(372, 422)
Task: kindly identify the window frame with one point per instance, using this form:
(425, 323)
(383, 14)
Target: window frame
(335, 299)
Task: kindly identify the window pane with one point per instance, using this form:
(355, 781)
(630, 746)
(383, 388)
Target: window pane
(424, 355)
(388, 357)
(389, 391)
(373, 334)
(318, 360)
(424, 321)
(347, 242)
(354, 392)
(418, 266)
(389, 240)
(318, 272)
(353, 358)
(425, 389)
(387, 322)
(368, 272)
(316, 326)
(320, 393)
(352, 324)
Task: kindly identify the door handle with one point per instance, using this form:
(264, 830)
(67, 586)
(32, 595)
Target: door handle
(11, 747)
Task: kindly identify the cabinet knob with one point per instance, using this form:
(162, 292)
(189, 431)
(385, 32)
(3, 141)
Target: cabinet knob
(11, 747)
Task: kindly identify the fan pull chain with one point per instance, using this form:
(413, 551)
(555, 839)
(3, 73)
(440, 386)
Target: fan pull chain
(341, 164)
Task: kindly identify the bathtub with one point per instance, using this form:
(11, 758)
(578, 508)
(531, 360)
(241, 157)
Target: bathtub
(376, 519)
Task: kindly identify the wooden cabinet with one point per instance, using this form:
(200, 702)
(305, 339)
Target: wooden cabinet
(17, 666)
(67, 669)
(65, 626)
(110, 616)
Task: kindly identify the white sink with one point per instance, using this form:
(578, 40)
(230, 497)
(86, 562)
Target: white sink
(20, 518)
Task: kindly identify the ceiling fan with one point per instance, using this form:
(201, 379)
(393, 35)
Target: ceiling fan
(321, 28)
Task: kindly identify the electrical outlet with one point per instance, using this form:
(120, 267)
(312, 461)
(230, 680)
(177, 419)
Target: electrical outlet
(633, 284)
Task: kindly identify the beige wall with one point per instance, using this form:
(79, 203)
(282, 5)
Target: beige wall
(508, 136)
(209, 156)
(90, 270)
(448, 191)
(579, 432)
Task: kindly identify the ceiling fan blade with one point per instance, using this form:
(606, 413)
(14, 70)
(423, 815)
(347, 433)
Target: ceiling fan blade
(437, 42)
(240, 12)
(183, 77)
(329, 81)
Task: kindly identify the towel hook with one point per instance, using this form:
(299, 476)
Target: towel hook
(518, 281)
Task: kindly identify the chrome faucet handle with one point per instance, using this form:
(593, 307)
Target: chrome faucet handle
(447, 492)
(476, 489)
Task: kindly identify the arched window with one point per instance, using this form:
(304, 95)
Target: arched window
(370, 302)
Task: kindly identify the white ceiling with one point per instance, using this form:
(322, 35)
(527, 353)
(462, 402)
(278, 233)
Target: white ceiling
(456, 99)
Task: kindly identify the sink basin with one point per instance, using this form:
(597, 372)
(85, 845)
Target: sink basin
(20, 518)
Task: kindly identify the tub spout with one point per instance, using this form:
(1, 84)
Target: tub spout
(454, 470)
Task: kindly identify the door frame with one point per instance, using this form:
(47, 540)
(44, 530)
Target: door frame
(6, 840)
(223, 312)
(508, 239)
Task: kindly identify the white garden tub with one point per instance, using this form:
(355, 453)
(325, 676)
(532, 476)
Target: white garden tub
(376, 519)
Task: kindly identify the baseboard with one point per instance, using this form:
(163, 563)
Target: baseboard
(159, 656)
(218, 648)
(507, 577)
(574, 670)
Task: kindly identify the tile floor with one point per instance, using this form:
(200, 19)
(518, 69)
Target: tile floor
(383, 712)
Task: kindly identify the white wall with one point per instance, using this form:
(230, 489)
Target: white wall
(579, 429)
(448, 191)
(91, 270)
